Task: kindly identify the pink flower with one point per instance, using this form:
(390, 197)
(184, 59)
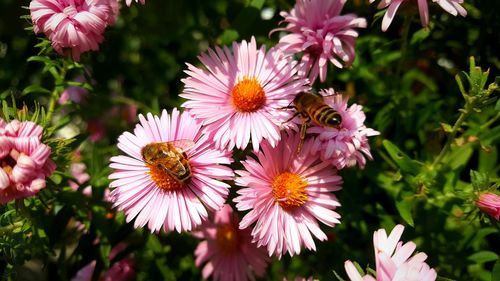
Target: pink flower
(128, 2)
(302, 279)
(85, 273)
(287, 193)
(241, 93)
(393, 260)
(347, 145)
(77, 170)
(319, 31)
(150, 194)
(24, 160)
(74, 93)
(228, 252)
(490, 204)
(451, 6)
(74, 25)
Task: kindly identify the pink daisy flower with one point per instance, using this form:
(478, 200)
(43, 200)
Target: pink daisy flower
(228, 252)
(451, 6)
(393, 260)
(24, 160)
(287, 193)
(319, 31)
(241, 93)
(150, 192)
(346, 145)
(74, 25)
(489, 203)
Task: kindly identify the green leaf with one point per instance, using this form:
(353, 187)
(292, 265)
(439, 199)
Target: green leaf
(495, 273)
(405, 163)
(404, 208)
(257, 4)
(480, 181)
(420, 35)
(228, 36)
(483, 256)
(35, 89)
(446, 127)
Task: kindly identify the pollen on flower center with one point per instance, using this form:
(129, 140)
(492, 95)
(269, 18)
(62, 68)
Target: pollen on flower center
(289, 190)
(248, 95)
(163, 179)
(227, 239)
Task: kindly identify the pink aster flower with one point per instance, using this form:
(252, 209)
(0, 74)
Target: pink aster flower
(228, 252)
(393, 260)
(241, 93)
(123, 270)
(287, 193)
(150, 193)
(489, 203)
(24, 160)
(451, 6)
(74, 93)
(302, 279)
(74, 25)
(319, 31)
(347, 145)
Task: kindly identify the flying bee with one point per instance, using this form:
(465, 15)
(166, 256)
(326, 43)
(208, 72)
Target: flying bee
(312, 107)
(169, 157)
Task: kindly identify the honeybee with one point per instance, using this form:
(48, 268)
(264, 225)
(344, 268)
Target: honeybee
(169, 157)
(313, 107)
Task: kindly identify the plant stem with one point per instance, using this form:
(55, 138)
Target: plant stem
(491, 121)
(465, 113)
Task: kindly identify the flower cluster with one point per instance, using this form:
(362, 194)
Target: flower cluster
(24, 160)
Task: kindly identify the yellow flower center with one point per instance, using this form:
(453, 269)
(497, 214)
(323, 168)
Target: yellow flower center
(248, 95)
(163, 179)
(227, 239)
(289, 190)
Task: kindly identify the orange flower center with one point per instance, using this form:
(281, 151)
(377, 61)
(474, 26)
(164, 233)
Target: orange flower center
(289, 190)
(248, 95)
(163, 179)
(227, 239)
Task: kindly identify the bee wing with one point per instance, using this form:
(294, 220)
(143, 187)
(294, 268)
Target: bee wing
(183, 144)
(332, 99)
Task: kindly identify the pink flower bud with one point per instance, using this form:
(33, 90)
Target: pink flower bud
(490, 204)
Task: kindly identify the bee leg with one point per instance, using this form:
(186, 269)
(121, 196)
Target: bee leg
(303, 130)
(293, 116)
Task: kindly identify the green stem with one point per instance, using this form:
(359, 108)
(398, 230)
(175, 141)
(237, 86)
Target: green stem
(491, 121)
(9, 228)
(58, 89)
(451, 137)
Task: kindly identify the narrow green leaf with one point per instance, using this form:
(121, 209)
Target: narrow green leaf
(405, 163)
(404, 208)
(420, 35)
(35, 89)
(483, 256)
(446, 127)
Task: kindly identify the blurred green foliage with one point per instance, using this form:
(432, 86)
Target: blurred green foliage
(425, 174)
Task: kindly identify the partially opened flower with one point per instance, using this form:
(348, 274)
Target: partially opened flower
(322, 34)
(394, 260)
(24, 160)
(489, 203)
(73, 25)
(228, 252)
(176, 185)
(286, 194)
(451, 6)
(346, 145)
(241, 92)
